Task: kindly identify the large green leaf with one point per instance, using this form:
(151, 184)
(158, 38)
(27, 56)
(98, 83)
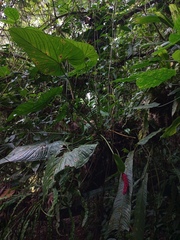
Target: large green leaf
(75, 158)
(49, 53)
(153, 78)
(140, 211)
(36, 105)
(120, 218)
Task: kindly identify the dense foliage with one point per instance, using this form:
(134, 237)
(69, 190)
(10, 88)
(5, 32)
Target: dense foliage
(89, 134)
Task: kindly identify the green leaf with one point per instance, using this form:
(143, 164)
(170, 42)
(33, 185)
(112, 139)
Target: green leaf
(172, 129)
(12, 14)
(140, 210)
(147, 19)
(174, 38)
(176, 55)
(49, 53)
(153, 78)
(34, 106)
(76, 158)
(90, 57)
(175, 13)
(164, 19)
(147, 138)
(131, 78)
(119, 163)
(120, 218)
(4, 71)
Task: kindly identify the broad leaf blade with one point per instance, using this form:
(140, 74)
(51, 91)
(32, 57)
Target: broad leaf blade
(46, 51)
(153, 78)
(120, 218)
(12, 14)
(34, 152)
(76, 158)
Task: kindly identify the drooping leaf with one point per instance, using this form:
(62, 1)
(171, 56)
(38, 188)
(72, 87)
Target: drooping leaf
(172, 129)
(34, 106)
(120, 218)
(34, 152)
(49, 53)
(153, 78)
(176, 56)
(140, 211)
(90, 59)
(119, 163)
(75, 158)
(147, 19)
(147, 138)
(4, 71)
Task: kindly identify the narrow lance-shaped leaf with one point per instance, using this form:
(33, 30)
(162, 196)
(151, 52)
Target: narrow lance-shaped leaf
(120, 218)
(172, 129)
(36, 105)
(140, 211)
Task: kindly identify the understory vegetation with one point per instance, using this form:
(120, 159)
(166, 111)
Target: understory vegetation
(89, 120)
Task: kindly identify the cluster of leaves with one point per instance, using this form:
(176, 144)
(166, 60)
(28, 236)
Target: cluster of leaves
(102, 78)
